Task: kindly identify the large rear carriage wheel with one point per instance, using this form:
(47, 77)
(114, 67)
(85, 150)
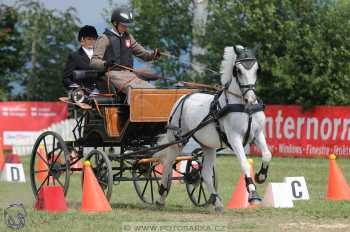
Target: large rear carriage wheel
(146, 178)
(102, 168)
(49, 164)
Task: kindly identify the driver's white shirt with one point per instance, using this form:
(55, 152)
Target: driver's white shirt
(89, 52)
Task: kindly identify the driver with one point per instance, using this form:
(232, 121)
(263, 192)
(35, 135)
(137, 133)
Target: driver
(115, 48)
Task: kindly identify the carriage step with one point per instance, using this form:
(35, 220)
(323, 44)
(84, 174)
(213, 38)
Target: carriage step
(157, 159)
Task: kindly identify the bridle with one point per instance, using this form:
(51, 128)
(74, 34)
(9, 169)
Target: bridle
(248, 64)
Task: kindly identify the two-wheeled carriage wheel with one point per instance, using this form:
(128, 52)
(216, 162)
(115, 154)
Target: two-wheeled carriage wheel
(49, 164)
(195, 186)
(146, 178)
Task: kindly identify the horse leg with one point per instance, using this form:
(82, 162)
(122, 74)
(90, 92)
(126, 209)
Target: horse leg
(253, 196)
(209, 156)
(260, 142)
(167, 161)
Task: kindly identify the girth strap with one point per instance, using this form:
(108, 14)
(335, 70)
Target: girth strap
(249, 109)
(247, 133)
(230, 108)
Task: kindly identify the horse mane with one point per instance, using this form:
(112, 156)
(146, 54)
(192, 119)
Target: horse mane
(227, 64)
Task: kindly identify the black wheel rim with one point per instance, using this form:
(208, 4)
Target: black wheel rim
(197, 191)
(101, 166)
(49, 164)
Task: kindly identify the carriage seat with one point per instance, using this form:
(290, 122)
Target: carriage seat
(87, 78)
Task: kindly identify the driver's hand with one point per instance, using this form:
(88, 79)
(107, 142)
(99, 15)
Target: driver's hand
(156, 54)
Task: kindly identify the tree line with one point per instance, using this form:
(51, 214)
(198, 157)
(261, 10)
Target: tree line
(304, 45)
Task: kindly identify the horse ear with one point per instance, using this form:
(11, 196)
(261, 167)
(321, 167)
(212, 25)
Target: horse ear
(238, 49)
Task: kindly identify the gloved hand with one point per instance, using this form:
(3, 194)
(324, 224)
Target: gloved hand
(156, 54)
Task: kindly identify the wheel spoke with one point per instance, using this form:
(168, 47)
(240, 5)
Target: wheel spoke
(60, 183)
(42, 158)
(194, 189)
(102, 182)
(45, 146)
(56, 158)
(205, 197)
(42, 184)
(52, 154)
(39, 171)
(152, 189)
(157, 181)
(53, 149)
(200, 193)
(144, 189)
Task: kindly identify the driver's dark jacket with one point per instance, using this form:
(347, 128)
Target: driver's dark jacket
(77, 60)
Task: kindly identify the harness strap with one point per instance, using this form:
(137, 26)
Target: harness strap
(247, 133)
(230, 108)
(178, 128)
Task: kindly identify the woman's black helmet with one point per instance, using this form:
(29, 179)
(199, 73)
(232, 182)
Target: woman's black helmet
(123, 16)
(87, 31)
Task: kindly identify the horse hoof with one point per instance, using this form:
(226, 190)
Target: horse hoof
(219, 209)
(254, 201)
(254, 198)
(160, 204)
(259, 180)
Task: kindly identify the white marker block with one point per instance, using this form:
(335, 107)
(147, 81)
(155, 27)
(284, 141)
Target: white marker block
(278, 195)
(298, 187)
(13, 173)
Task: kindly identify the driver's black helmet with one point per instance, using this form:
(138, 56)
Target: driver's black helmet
(123, 16)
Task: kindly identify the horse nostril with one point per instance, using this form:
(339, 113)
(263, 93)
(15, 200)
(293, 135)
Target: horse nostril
(246, 100)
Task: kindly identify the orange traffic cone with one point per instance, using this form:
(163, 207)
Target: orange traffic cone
(338, 188)
(41, 165)
(93, 199)
(2, 158)
(159, 170)
(239, 198)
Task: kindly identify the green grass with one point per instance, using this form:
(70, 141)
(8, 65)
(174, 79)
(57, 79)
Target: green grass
(317, 214)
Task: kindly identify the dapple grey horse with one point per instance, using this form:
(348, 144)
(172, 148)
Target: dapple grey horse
(238, 120)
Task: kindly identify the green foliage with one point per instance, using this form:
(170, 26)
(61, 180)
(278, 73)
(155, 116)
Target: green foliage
(305, 46)
(166, 25)
(304, 54)
(10, 47)
(35, 50)
(48, 37)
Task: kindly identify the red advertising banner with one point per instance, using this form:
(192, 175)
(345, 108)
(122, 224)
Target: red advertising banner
(319, 132)
(20, 119)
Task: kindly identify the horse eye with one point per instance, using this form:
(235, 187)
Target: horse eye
(239, 71)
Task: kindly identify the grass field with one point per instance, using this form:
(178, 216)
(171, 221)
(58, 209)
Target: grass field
(313, 215)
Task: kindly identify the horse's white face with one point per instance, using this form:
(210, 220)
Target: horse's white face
(245, 81)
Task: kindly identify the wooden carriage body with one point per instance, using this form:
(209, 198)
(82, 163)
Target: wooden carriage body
(137, 122)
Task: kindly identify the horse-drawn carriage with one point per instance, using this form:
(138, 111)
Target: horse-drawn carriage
(232, 117)
(119, 137)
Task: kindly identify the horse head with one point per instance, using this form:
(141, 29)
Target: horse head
(239, 70)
